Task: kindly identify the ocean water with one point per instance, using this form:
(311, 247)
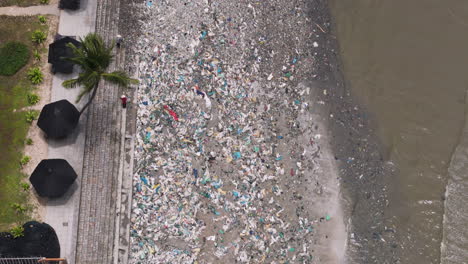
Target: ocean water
(406, 62)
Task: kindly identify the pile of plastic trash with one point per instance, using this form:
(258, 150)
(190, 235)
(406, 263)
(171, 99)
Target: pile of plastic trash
(223, 145)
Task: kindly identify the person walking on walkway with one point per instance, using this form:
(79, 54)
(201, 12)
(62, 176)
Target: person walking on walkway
(123, 98)
(118, 41)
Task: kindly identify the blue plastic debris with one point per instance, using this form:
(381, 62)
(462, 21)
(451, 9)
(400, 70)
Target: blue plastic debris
(200, 93)
(203, 35)
(236, 155)
(144, 180)
(148, 136)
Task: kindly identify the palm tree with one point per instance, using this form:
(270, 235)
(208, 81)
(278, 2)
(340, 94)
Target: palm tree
(94, 57)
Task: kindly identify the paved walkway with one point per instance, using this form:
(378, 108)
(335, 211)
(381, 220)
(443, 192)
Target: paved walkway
(100, 191)
(62, 214)
(31, 10)
(86, 218)
(97, 207)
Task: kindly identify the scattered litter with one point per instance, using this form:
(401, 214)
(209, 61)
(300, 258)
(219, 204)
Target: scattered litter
(172, 113)
(215, 140)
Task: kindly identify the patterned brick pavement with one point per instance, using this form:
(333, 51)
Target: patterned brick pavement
(96, 227)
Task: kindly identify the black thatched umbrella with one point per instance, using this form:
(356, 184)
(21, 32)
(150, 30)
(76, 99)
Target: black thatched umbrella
(8, 246)
(52, 178)
(69, 4)
(58, 51)
(39, 240)
(58, 119)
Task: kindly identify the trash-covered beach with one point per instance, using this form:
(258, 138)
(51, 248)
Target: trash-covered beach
(232, 154)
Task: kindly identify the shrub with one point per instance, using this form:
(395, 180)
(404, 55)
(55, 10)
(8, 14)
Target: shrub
(37, 55)
(19, 208)
(29, 141)
(44, 2)
(13, 56)
(33, 99)
(31, 115)
(42, 19)
(17, 231)
(38, 36)
(25, 186)
(35, 75)
(25, 160)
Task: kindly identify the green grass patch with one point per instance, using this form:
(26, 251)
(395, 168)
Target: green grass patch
(11, 176)
(13, 56)
(14, 91)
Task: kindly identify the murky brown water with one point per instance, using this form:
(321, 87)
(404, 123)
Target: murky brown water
(407, 61)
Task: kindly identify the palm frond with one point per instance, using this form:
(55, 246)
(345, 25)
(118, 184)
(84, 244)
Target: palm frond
(120, 78)
(91, 79)
(76, 51)
(81, 58)
(80, 61)
(97, 51)
(94, 57)
(72, 83)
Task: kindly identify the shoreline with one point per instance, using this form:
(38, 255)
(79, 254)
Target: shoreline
(455, 212)
(333, 239)
(364, 170)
